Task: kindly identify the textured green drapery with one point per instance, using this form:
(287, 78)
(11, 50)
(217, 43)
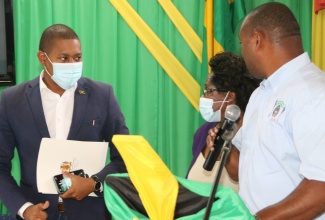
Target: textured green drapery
(153, 105)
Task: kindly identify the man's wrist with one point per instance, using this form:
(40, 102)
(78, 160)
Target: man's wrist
(23, 208)
(98, 186)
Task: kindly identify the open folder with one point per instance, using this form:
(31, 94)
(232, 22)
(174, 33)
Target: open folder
(55, 155)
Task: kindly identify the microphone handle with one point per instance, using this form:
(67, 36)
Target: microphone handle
(218, 144)
(213, 155)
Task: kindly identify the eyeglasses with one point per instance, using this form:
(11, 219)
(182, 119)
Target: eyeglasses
(208, 91)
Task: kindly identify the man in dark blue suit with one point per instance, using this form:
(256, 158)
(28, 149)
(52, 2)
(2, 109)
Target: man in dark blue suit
(63, 105)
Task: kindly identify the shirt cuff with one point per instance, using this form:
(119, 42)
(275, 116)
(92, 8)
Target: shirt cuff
(23, 208)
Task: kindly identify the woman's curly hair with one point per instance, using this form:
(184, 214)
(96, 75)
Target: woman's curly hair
(229, 73)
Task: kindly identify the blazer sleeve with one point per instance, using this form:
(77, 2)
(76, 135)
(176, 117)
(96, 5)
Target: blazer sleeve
(114, 124)
(10, 193)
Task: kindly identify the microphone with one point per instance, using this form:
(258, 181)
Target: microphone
(225, 133)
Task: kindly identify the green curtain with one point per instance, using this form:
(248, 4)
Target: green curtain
(153, 105)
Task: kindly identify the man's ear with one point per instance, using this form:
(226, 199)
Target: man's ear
(41, 57)
(259, 39)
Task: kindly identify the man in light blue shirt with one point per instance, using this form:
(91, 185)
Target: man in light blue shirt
(278, 156)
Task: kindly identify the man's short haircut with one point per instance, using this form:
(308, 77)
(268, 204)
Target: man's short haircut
(54, 32)
(274, 19)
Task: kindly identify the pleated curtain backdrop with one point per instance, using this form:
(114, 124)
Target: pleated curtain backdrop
(112, 53)
(156, 104)
(318, 38)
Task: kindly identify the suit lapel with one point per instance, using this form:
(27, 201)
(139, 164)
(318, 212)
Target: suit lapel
(79, 109)
(35, 103)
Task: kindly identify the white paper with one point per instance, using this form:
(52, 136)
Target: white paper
(89, 156)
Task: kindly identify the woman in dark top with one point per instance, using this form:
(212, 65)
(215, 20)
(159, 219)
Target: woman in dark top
(228, 83)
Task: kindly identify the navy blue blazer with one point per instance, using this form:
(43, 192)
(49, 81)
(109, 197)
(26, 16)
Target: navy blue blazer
(23, 125)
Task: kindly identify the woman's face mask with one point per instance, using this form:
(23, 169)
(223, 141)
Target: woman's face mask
(206, 109)
(65, 74)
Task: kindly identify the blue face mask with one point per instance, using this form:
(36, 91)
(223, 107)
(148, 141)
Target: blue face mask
(65, 74)
(206, 109)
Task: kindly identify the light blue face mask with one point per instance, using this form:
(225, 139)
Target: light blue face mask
(206, 109)
(65, 74)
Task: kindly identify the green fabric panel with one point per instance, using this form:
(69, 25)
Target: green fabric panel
(227, 21)
(157, 109)
(228, 206)
(153, 106)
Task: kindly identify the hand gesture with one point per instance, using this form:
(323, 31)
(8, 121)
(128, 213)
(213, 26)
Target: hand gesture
(211, 137)
(36, 211)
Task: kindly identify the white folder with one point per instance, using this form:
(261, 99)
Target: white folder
(89, 156)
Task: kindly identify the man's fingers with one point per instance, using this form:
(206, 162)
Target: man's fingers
(45, 205)
(36, 211)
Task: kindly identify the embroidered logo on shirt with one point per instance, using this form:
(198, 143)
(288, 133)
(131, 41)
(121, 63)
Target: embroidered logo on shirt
(278, 108)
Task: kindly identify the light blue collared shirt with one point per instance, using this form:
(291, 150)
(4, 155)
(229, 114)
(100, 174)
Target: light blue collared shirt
(282, 139)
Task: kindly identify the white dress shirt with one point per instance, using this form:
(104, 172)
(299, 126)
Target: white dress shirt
(58, 110)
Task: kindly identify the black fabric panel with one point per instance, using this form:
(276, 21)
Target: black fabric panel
(188, 202)
(125, 189)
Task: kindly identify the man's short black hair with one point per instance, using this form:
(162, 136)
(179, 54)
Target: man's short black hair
(275, 20)
(56, 31)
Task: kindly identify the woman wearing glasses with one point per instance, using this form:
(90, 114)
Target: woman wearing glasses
(228, 83)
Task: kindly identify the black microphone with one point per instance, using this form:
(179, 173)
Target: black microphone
(231, 115)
